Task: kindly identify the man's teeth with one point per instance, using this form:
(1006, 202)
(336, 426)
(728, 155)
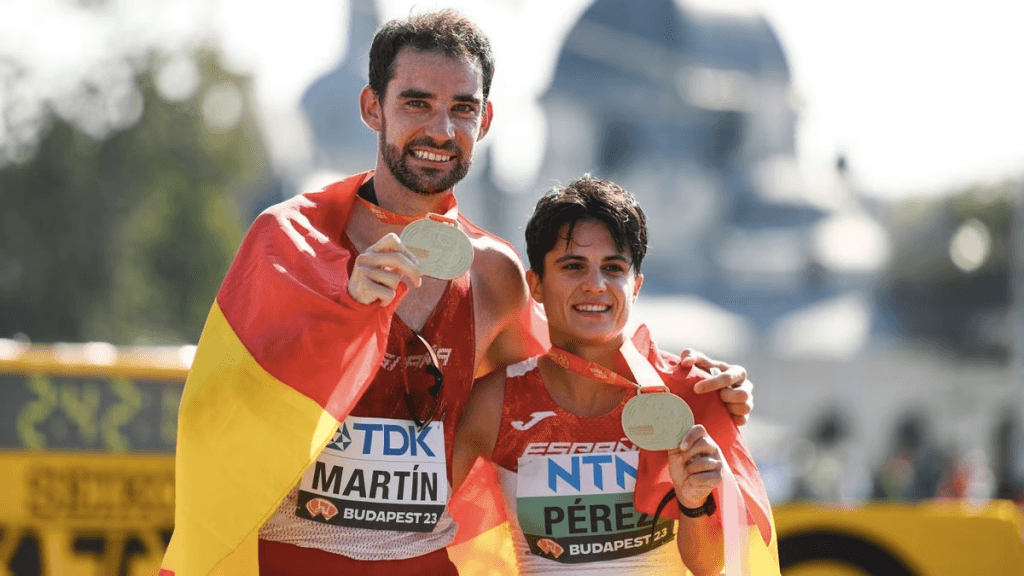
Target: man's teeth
(592, 307)
(430, 156)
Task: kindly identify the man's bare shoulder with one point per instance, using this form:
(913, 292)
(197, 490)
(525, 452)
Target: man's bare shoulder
(497, 258)
(490, 248)
(498, 271)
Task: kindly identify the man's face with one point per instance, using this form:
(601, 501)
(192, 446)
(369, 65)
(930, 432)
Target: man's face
(431, 117)
(588, 288)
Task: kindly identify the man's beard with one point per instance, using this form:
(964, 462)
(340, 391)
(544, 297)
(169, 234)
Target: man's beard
(427, 180)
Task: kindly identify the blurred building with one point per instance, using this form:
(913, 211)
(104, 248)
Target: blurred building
(694, 112)
(684, 108)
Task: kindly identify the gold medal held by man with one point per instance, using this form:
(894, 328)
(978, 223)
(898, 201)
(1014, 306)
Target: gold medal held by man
(443, 250)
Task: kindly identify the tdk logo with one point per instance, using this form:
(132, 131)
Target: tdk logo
(367, 438)
(394, 440)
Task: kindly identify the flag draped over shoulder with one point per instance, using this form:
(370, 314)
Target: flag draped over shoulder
(759, 547)
(284, 356)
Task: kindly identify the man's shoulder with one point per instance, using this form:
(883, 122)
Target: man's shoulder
(488, 244)
(494, 258)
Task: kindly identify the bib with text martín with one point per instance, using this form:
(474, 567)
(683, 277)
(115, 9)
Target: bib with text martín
(378, 473)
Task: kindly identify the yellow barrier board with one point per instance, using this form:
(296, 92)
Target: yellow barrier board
(924, 539)
(84, 514)
(87, 435)
(77, 397)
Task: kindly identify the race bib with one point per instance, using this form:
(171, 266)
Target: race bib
(577, 508)
(378, 473)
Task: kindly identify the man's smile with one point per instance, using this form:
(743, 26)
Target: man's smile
(431, 156)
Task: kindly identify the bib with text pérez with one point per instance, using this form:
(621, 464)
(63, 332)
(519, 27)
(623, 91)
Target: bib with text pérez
(575, 508)
(378, 473)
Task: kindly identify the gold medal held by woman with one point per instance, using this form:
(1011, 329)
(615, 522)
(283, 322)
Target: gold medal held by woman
(656, 420)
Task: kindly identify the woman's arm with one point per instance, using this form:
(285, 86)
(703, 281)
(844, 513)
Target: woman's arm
(696, 469)
(478, 429)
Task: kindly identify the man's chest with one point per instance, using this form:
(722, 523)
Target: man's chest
(419, 304)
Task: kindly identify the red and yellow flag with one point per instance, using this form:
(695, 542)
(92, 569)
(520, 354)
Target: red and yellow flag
(284, 355)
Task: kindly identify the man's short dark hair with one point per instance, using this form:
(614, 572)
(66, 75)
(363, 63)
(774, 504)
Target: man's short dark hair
(446, 31)
(587, 198)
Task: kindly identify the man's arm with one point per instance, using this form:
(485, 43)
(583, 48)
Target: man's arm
(512, 327)
(477, 433)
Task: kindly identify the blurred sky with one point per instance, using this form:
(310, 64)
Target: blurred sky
(921, 96)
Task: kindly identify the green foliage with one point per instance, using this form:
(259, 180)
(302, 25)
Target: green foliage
(125, 240)
(927, 296)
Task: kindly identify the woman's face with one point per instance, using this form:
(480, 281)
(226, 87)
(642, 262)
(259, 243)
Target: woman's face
(588, 288)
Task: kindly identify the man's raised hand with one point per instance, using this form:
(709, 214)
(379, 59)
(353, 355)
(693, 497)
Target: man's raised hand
(380, 269)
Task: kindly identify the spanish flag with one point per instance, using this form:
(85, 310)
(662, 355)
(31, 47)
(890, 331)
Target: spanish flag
(284, 356)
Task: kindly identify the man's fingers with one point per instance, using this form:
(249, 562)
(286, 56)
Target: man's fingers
(687, 358)
(373, 292)
(368, 285)
(396, 262)
(690, 357)
(738, 399)
(379, 270)
(389, 255)
(384, 277)
(734, 376)
(702, 360)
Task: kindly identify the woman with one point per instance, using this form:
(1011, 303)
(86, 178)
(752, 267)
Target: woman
(567, 471)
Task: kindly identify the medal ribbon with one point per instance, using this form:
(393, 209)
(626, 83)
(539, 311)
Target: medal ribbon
(448, 207)
(647, 378)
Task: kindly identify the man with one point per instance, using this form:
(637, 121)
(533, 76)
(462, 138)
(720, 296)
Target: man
(323, 303)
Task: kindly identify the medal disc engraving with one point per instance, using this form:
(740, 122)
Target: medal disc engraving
(656, 421)
(443, 251)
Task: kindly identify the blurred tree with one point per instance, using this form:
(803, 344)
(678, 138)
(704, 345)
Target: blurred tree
(949, 281)
(126, 237)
